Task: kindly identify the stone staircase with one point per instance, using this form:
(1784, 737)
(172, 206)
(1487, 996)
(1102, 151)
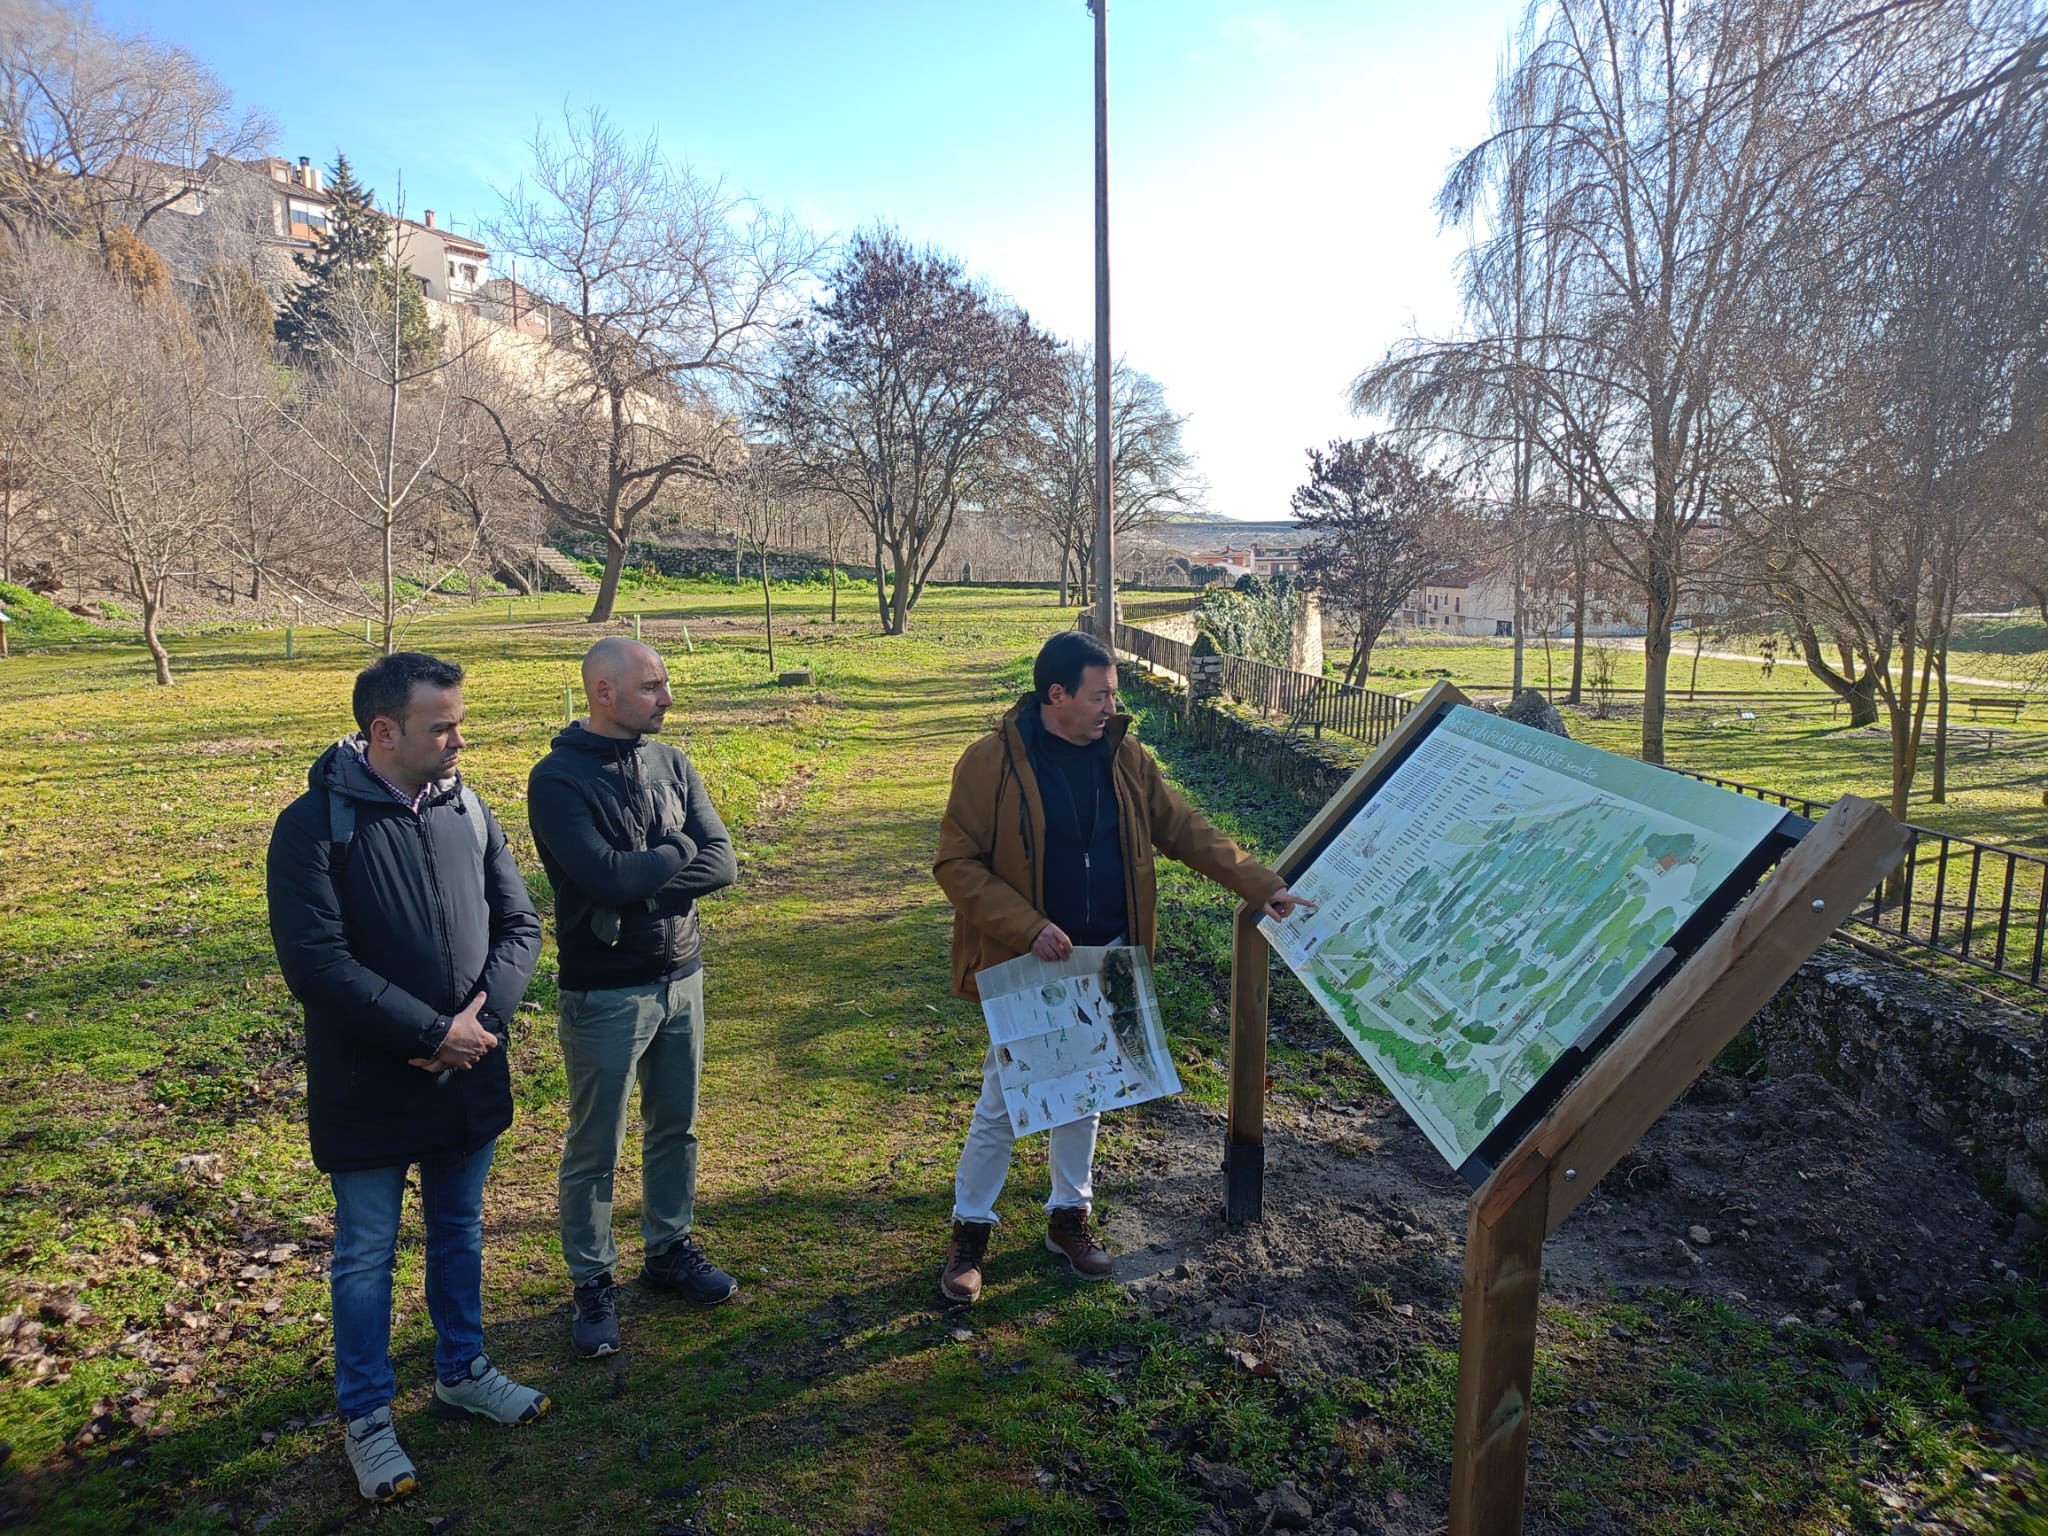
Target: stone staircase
(557, 571)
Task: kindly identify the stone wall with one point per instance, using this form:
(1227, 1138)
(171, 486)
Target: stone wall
(1309, 769)
(1911, 1045)
(1905, 1043)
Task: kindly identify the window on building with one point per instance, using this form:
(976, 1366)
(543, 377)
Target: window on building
(451, 271)
(469, 273)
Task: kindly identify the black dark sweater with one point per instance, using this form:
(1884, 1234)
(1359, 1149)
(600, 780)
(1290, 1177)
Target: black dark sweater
(626, 826)
(1084, 859)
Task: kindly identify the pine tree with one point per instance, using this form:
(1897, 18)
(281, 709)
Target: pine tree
(351, 260)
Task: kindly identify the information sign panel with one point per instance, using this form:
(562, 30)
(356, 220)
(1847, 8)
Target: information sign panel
(1495, 908)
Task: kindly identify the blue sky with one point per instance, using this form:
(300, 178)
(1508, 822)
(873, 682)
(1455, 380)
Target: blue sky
(1270, 170)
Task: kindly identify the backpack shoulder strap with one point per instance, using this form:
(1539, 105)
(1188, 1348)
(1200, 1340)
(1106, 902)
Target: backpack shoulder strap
(341, 830)
(479, 824)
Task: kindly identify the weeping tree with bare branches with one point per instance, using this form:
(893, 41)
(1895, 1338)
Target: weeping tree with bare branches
(1891, 389)
(665, 286)
(1670, 149)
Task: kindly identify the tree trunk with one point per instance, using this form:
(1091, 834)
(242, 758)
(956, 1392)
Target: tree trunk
(152, 607)
(390, 582)
(1940, 795)
(882, 585)
(896, 620)
(1516, 625)
(1699, 643)
(1365, 644)
(767, 608)
(1577, 692)
(608, 585)
(1663, 601)
(1859, 693)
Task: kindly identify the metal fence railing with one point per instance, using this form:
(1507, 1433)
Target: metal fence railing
(1974, 902)
(1156, 650)
(1305, 701)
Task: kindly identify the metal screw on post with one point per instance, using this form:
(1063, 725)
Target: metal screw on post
(1820, 906)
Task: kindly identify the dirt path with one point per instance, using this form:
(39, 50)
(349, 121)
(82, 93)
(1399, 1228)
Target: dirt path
(1680, 652)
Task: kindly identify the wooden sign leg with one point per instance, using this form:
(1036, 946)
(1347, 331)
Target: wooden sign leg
(1497, 1360)
(1244, 1144)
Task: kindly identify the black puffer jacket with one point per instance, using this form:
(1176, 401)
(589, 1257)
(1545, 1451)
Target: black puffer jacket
(383, 944)
(625, 827)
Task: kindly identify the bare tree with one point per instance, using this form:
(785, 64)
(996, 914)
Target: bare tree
(100, 129)
(370, 419)
(754, 500)
(1891, 389)
(666, 286)
(1670, 147)
(1153, 473)
(263, 529)
(131, 421)
(905, 396)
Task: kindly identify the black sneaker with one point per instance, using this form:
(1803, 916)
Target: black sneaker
(595, 1326)
(684, 1270)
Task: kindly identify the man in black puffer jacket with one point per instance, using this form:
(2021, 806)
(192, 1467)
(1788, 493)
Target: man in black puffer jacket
(630, 840)
(403, 927)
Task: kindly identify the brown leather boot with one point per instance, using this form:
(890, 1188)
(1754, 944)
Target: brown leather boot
(960, 1280)
(1069, 1234)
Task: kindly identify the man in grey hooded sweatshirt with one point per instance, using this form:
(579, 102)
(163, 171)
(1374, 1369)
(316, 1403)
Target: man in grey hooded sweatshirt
(630, 841)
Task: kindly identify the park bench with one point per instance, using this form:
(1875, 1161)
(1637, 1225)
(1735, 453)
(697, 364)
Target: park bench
(1998, 708)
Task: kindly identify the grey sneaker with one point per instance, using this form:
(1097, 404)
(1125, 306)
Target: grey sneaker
(594, 1325)
(488, 1394)
(383, 1471)
(682, 1270)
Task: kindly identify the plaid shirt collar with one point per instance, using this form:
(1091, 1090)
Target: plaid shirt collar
(410, 802)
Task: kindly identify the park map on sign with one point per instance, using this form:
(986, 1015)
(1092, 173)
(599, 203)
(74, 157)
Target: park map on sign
(1495, 894)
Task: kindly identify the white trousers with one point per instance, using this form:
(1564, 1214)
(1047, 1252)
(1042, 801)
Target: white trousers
(985, 1159)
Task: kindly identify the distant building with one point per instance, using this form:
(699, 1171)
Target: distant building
(261, 213)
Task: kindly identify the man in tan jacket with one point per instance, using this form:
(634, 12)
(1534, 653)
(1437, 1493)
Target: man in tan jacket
(1047, 843)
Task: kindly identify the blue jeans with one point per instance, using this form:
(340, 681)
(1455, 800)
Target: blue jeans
(366, 1206)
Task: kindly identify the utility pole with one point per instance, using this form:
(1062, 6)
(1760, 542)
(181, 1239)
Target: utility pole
(1105, 548)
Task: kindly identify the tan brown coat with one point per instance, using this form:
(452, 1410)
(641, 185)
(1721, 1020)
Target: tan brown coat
(994, 827)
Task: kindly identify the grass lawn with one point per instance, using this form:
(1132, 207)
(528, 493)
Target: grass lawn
(168, 1368)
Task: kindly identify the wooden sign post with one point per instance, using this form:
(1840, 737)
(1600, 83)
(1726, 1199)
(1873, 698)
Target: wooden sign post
(1678, 1033)
(1251, 967)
